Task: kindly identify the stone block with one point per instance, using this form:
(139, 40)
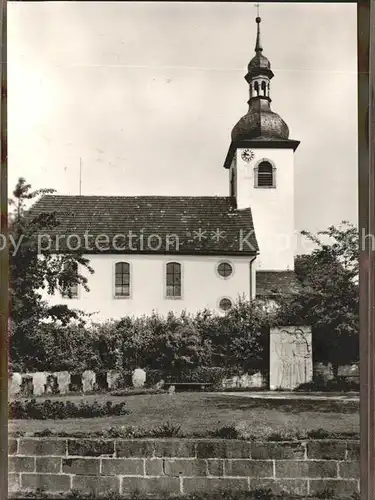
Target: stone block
(214, 485)
(46, 482)
(96, 485)
(91, 447)
(277, 451)
(12, 446)
(49, 464)
(349, 470)
(248, 468)
(154, 467)
(129, 448)
(40, 446)
(306, 469)
(297, 487)
(14, 482)
(326, 450)
(215, 467)
(21, 464)
(122, 467)
(354, 450)
(223, 449)
(81, 466)
(187, 468)
(342, 488)
(157, 487)
(175, 448)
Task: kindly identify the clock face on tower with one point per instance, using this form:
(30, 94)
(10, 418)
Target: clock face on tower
(247, 155)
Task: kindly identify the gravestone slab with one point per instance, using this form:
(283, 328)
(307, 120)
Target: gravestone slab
(113, 379)
(231, 382)
(39, 383)
(14, 384)
(88, 381)
(254, 381)
(63, 381)
(139, 377)
(290, 357)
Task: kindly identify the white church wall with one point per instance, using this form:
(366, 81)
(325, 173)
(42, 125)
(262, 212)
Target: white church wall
(272, 208)
(201, 285)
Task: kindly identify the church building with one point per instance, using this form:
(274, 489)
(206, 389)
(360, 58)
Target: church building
(175, 253)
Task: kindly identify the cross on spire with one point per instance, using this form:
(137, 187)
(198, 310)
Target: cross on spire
(258, 45)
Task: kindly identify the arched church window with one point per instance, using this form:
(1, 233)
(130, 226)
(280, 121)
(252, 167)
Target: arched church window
(256, 88)
(122, 279)
(173, 280)
(264, 88)
(265, 175)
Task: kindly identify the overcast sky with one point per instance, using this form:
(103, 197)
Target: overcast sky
(147, 94)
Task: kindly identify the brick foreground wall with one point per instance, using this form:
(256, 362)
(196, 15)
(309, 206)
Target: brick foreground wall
(157, 467)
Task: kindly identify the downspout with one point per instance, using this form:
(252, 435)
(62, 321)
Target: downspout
(251, 277)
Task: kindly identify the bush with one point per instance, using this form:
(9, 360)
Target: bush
(137, 392)
(172, 346)
(339, 384)
(58, 410)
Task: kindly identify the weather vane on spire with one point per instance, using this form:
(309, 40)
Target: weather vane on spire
(257, 6)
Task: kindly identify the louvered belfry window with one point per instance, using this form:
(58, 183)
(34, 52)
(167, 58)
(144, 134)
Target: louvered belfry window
(173, 279)
(265, 175)
(122, 279)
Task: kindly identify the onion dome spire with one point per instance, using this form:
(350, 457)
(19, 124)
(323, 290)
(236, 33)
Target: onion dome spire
(260, 121)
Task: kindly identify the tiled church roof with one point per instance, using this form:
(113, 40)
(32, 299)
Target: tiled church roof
(272, 283)
(215, 218)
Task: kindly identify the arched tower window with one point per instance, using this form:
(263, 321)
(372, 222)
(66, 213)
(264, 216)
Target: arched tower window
(173, 280)
(264, 88)
(122, 279)
(256, 88)
(265, 175)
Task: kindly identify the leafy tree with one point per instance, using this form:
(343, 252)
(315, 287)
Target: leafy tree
(328, 297)
(33, 270)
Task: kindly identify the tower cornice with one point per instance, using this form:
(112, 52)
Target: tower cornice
(259, 143)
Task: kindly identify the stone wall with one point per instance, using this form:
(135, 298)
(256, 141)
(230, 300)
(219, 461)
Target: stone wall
(155, 467)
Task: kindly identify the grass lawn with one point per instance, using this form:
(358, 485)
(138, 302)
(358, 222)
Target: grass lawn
(200, 411)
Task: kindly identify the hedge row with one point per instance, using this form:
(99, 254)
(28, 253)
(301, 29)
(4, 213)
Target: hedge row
(174, 345)
(43, 410)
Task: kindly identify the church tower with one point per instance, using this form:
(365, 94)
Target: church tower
(260, 161)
